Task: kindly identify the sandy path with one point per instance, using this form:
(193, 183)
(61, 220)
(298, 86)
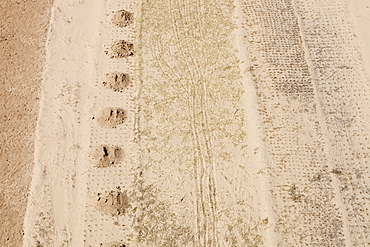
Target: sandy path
(55, 211)
(202, 123)
(23, 28)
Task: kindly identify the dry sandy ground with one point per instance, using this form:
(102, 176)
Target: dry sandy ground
(23, 28)
(203, 123)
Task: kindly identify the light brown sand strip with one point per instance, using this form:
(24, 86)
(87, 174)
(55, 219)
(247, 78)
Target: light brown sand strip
(23, 28)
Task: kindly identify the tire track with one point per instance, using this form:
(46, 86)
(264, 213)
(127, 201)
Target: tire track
(202, 148)
(182, 45)
(200, 212)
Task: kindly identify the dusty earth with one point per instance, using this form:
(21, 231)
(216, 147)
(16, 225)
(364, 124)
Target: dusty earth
(23, 29)
(189, 123)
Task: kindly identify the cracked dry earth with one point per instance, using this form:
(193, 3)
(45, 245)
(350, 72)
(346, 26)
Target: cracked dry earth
(203, 123)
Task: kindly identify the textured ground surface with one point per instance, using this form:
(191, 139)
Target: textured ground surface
(23, 28)
(203, 123)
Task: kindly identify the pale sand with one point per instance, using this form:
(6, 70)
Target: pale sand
(244, 124)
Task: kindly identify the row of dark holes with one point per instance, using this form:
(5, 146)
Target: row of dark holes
(104, 155)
